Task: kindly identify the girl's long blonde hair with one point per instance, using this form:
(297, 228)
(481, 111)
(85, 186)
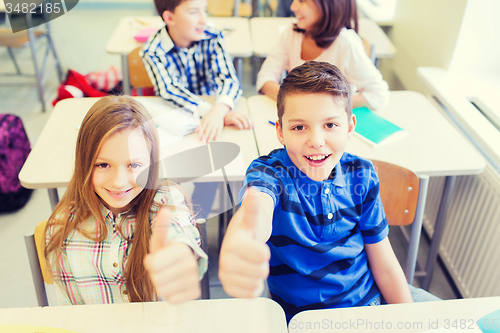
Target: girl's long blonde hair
(107, 116)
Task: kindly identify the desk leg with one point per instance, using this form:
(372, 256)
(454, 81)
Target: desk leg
(255, 8)
(236, 10)
(238, 65)
(449, 185)
(126, 79)
(416, 229)
(54, 197)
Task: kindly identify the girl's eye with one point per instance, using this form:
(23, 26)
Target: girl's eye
(298, 128)
(330, 125)
(135, 165)
(102, 165)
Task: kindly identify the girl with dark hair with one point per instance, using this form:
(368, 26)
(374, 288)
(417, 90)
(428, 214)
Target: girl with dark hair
(326, 30)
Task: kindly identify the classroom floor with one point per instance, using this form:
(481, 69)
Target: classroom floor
(80, 38)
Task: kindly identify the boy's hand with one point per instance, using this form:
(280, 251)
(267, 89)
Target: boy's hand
(171, 265)
(212, 123)
(238, 119)
(244, 259)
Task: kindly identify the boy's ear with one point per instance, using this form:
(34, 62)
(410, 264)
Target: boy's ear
(352, 125)
(168, 17)
(279, 133)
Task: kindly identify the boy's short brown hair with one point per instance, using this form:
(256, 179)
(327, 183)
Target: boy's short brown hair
(314, 77)
(163, 5)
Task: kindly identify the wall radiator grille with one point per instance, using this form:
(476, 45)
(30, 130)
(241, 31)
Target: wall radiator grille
(470, 248)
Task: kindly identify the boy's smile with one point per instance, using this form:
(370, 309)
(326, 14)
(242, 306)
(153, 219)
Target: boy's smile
(315, 132)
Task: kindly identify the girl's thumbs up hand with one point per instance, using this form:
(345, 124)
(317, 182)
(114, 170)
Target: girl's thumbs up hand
(171, 265)
(244, 258)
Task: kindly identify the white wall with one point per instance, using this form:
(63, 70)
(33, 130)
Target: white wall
(478, 45)
(424, 33)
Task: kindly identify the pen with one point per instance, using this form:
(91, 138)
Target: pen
(272, 123)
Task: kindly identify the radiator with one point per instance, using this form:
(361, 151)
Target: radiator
(470, 247)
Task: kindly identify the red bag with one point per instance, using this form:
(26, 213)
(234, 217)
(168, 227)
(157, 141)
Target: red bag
(76, 85)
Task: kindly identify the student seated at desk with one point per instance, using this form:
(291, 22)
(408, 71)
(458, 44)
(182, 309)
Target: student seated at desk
(99, 237)
(186, 59)
(318, 208)
(326, 30)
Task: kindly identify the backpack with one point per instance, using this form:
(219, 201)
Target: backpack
(14, 149)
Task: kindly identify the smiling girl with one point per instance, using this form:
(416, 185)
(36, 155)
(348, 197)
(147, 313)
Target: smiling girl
(326, 30)
(98, 237)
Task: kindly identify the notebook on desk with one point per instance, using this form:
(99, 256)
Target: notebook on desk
(375, 130)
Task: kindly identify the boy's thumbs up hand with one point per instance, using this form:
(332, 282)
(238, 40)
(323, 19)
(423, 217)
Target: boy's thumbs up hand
(244, 258)
(171, 265)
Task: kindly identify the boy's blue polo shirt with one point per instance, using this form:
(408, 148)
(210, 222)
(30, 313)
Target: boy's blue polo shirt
(318, 258)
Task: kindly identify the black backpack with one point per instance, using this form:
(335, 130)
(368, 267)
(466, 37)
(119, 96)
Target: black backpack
(14, 149)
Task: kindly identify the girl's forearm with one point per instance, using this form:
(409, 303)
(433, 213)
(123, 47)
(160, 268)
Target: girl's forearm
(270, 89)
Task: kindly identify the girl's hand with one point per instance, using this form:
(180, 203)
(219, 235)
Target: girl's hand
(171, 265)
(212, 123)
(238, 119)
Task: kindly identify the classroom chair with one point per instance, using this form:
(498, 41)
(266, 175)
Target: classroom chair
(403, 195)
(37, 262)
(41, 275)
(138, 76)
(30, 38)
(227, 8)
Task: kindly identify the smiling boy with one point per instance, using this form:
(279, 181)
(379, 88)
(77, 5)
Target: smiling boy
(187, 59)
(318, 208)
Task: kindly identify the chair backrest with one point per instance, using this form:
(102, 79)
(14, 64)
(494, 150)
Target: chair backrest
(225, 8)
(398, 191)
(39, 268)
(19, 39)
(138, 76)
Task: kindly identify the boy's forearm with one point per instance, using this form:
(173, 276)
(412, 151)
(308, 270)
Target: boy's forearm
(387, 272)
(394, 287)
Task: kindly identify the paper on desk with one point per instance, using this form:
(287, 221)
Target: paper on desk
(32, 329)
(178, 121)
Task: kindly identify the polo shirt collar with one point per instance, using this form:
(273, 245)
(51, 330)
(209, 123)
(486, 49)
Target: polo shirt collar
(167, 43)
(305, 182)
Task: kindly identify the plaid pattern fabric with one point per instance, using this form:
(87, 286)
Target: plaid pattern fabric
(181, 75)
(93, 272)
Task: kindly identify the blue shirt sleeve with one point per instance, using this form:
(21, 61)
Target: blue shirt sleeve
(262, 176)
(373, 223)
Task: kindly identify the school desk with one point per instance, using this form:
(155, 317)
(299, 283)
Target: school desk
(459, 315)
(266, 32)
(236, 32)
(50, 163)
(380, 11)
(260, 315)
(433, 147)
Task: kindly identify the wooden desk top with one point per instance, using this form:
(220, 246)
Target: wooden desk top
(52, 159)
(433, 147)
(266, 33)
(260, 315)
(412, 317)
(236, 34)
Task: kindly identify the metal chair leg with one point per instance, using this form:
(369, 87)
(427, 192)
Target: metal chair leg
(11, 54)
(39, 83)
(54, 53)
